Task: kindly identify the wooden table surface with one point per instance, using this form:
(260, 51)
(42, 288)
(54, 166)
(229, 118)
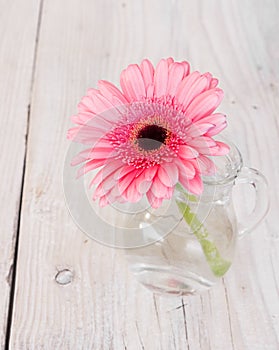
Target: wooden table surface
(60, 290)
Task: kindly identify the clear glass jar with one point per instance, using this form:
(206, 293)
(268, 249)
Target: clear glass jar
(199, 250)
(187, 244)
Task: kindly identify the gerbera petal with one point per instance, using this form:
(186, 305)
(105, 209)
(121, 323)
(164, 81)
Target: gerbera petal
(101, 104)
(214, 119)
(126, 169)
(210, 79)
(172, 171)
(90, 118)
(82, 117)
(216, 129)
(170, 60)
(102, 152)
(91, 165)
(158, 188)
(103, 201)
(99, 122)
(210, 147)
(86, 104)
(72, 133)
(186, 67)
(161, 78)
(185, 85)
(115, 193)
(132, 83)
(198, 129)
(132, 194)
(164, 177)
(81, 157)
(89, 154)
(111, 166)
(142, 184)
(215, 151)
(191, 91)
(105, 186)
(202, 142)
(147, 70)
(150, 91)
(110, 91)
(103, 143)
(187, 152)
(176, 74)
(150, 173)
(196, 185)
(169, 193)
(206, 165)
(186, 168)
(154, 201)
(204, 104)
(99, 192)
(85, 134)
(214, 82)
(222, 150)
(103, 175)
(97, 178)
(125, 181)
(92, 91)
(183, 180)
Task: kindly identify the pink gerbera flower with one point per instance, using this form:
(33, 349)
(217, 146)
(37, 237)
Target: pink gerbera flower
(154, 134)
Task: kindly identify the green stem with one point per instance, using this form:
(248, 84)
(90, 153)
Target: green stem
(218, 265)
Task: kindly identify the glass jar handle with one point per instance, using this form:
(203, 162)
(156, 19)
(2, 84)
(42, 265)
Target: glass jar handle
(254, 178)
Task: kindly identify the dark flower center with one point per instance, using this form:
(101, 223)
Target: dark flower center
(151, 137)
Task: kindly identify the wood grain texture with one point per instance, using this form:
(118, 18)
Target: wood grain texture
(18, 26)
(99, 305)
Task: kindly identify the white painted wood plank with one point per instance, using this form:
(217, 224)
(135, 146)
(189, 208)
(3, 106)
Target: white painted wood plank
(18, 23)
(102, 306)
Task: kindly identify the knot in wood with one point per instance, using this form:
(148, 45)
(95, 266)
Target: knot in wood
(64, 277)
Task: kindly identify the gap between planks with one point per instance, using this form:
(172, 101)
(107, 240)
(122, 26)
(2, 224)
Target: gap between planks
(12, 272)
